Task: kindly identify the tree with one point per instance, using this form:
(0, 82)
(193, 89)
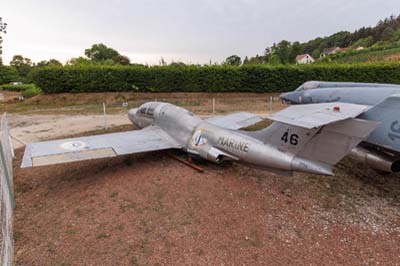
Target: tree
(279, 53)
(256, 60)
(122, 60)
(283, 51)
(100, 52)
(22, 64)
(246, 61)
(387, 34)
(295, 51)
(233, 60)
(78, 61)
(3, 27)
(51, 62)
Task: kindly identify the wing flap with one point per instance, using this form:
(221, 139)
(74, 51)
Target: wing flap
(235, 120)
(317, 115)
(72, 156)
(99, 146)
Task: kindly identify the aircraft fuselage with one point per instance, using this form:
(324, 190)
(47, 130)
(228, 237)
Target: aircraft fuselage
(214, 143)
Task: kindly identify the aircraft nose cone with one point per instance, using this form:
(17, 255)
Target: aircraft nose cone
(291, 97)
(132, 115)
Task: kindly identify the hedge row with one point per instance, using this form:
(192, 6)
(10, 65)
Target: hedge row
(8, 74)
(258, 78)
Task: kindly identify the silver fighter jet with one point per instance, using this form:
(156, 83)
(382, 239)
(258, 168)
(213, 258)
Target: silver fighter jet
(302, 138)
(381, 149)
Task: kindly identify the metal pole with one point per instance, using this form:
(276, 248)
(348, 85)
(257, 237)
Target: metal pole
(104, 114)
(213, 105)
(270, 104)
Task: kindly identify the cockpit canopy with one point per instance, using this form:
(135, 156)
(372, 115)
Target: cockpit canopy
(148, 109)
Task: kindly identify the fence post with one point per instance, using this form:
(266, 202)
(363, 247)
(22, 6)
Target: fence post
(270, 104)
(213, 105)
(104, 115)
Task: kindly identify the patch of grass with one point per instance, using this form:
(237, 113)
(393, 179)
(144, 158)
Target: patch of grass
(113, 194)
(102, 226)
(22, 187)
(71, 231)
(128, 160)
(200, 252)
(120, 227)
(28, 93)
(194, 103)
(102, 235)
(260, 125)
(19, 87)
(127, 206)
(17, 235)
(78, 212)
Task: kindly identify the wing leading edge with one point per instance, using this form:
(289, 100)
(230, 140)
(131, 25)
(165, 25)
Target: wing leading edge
(100, 146)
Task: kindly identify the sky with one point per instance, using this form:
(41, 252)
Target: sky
(191, 31)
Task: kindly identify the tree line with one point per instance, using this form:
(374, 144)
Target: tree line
(284, 52)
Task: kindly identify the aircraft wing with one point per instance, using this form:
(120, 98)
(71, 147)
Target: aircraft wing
(151, 138)
(319, 114)
(235, 120)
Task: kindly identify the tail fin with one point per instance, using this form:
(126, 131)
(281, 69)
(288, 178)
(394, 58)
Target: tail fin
(388, 133)
(316, 149)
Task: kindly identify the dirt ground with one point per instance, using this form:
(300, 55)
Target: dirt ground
(150, 209)
(30, 128)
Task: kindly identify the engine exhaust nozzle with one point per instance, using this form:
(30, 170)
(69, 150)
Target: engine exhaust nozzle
(376, 160)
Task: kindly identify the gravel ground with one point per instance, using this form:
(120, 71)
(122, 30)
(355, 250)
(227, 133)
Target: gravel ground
(152, 210)
(32, 128)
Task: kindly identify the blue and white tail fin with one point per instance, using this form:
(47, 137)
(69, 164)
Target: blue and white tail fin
(388, 132)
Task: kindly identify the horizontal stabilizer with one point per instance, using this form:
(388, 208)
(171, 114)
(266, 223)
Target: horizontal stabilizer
(316, 115)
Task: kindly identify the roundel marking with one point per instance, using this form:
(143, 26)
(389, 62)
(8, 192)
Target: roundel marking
(198, 139)
(74, 145)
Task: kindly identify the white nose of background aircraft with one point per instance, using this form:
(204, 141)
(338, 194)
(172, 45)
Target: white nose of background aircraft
(303, 138)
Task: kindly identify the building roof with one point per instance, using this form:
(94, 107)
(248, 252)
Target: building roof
(301, 56)
(330, 50)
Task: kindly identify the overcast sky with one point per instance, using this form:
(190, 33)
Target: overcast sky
(188, 31)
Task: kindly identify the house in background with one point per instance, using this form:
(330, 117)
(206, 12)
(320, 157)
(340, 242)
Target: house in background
(304, 59)
(332, 50)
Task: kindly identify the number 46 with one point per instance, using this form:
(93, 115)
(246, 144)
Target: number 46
(292, 138)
